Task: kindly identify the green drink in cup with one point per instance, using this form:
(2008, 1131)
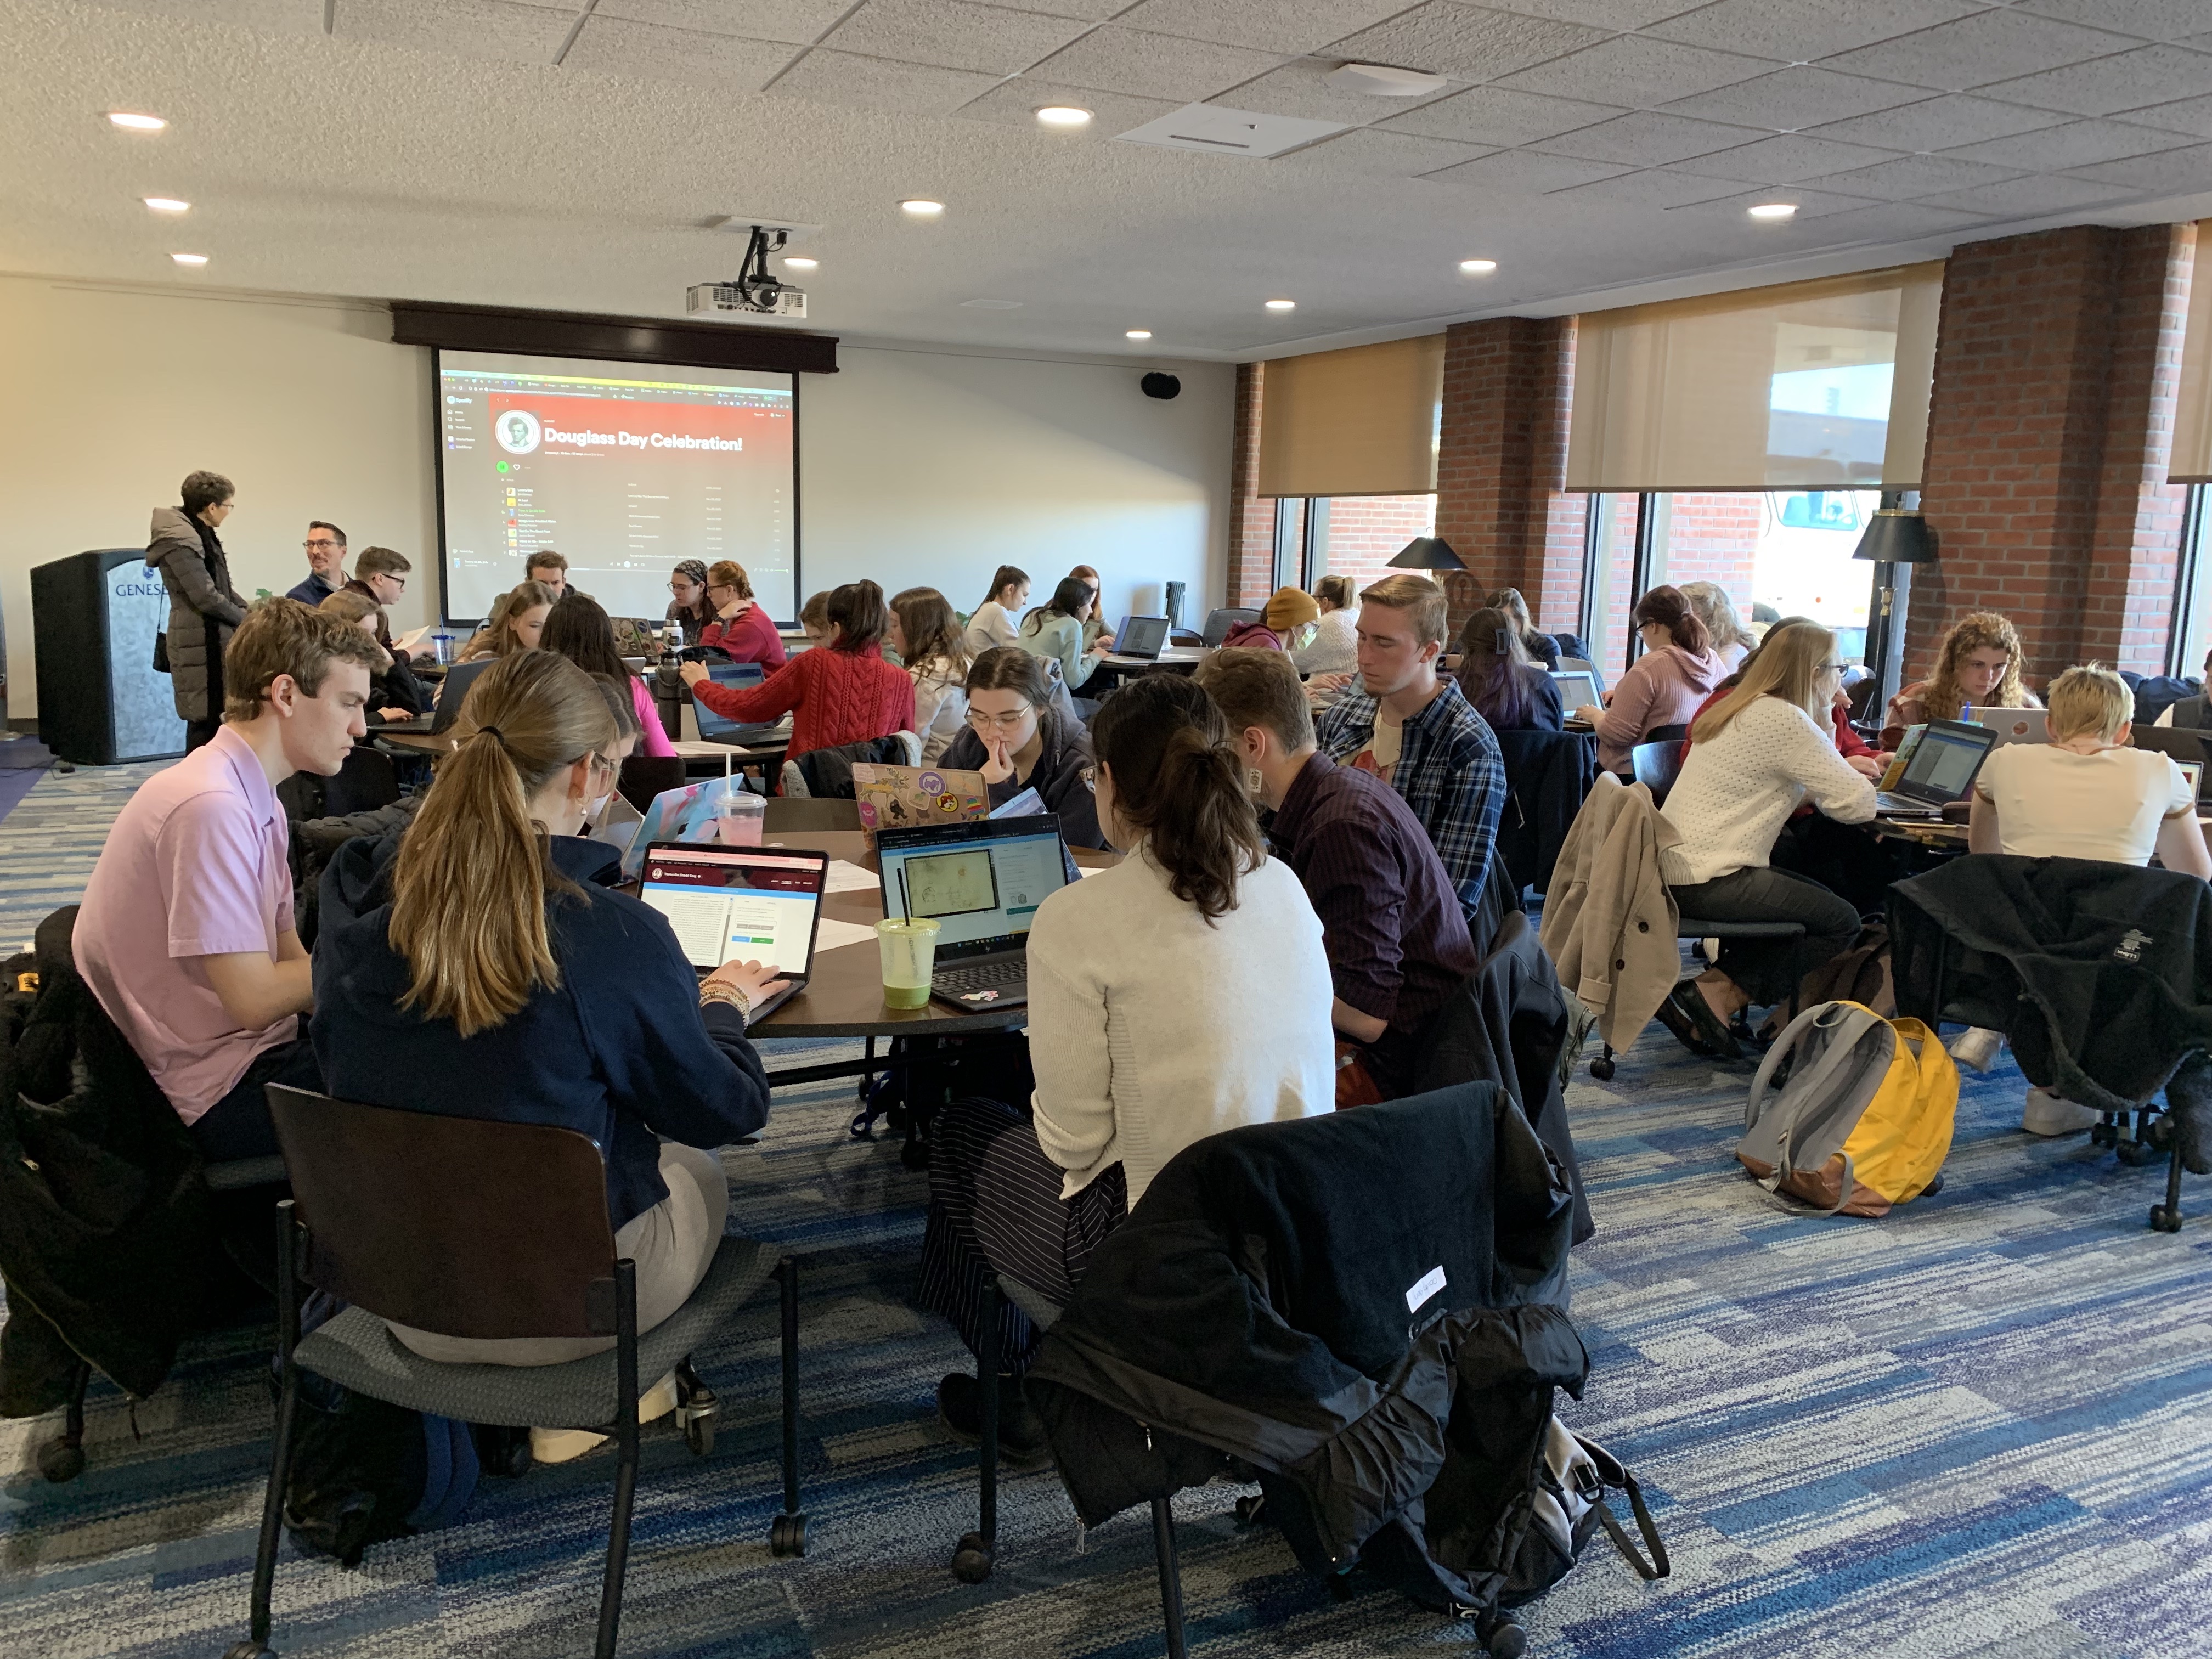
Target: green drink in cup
(909, 949)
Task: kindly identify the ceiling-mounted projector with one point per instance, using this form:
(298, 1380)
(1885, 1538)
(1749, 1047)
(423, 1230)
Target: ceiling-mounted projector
(755, 290)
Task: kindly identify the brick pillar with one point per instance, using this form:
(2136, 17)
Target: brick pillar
(1501, 459)
(2056, 366)
(1251, 517)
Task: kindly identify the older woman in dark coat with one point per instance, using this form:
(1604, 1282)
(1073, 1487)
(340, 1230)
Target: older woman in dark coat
(204, 607)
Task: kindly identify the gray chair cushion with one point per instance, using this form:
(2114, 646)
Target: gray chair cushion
(1041, 1308)
(358, 1350)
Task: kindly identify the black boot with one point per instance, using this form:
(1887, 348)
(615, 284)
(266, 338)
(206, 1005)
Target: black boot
(1021, 1432)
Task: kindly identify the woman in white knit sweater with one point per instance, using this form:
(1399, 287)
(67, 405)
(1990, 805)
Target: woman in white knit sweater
(1183, 993)
(1754, 756)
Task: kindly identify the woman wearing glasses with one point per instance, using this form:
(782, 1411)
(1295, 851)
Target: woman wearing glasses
(742, 630)
(689, 608)
(479, 964)
(1754, 756)
(1018, 739)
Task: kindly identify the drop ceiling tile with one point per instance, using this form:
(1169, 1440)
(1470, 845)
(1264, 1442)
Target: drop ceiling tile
(1375, 153)
(845, 77)
(1989, 46)
(1654, 188)
(1937, 124)
(1603, 14)
(1115, 59)
(1015, 102)
(2075, 144)
(1790, 100)
(1801, 31)
(266, 16)
(2030, 197)
(952, 34)
(2127, 80)
(1907, 178)
(1524, 172)
(464, 28)
(1301, 88)
(2191, 115)
(1472, 42)
(1811, 203)
(2176, 170)
(1091, 11)
(615, 45)
(1638, 72)
(1783, 160)
(1277, 25)
(2153, 19)
(797, 21)
(1646, 140)
(1497, 115)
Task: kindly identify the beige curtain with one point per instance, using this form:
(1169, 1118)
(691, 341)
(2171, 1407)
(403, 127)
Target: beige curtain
(1360, 422)
(2192, 461)
(1768, 388)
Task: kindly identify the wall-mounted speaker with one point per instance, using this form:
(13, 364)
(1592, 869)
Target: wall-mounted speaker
(1162, 387)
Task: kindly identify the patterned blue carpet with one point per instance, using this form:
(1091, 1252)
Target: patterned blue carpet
(1980, 1426)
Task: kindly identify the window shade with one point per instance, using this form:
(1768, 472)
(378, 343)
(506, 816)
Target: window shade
(2192, 461)
(1817, 384)
(1360, 422)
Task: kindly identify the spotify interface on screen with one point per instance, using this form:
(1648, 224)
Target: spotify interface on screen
(623, 469)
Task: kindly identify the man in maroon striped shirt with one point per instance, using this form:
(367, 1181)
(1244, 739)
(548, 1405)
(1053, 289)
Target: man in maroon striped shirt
(1396, 933)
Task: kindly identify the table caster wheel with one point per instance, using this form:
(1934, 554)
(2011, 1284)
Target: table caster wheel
(973, 1558)
(248, 1649)
(786, 1535)
(699, 1434)
(2163, 1220)
(1602, 1070)
(61, 1459)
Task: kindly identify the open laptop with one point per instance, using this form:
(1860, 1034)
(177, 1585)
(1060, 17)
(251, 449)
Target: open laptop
(1578, 689)
(1580, 666)
(1141, 636)
(983, 880)
(2015, 725)
(740, 904)
(720, 728)
(1941, 769)
(455, 692)
(2183, 744)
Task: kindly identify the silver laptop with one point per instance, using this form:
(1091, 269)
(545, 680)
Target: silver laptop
(2015, 725)
(983, 880)
(1578, 665)
(1578, 689)
(1943, 769)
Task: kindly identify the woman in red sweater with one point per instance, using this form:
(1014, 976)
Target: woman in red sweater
(844, 692)
(742, 628)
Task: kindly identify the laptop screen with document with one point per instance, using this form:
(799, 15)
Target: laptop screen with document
(736, 904)
(1943, 767)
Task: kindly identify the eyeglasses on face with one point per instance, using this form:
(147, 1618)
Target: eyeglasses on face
(314, 542)
(983, 722)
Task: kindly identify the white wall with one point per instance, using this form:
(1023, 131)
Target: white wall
(917, 465)
(923, 466)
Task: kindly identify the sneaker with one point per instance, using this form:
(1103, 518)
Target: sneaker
(2045, 1113)
(1976, 1046)
(1022, 1441)
(567, 1445)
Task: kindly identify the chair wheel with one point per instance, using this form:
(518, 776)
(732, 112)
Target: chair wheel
(2163, 1220)
(60, 1461)
(699, 1434)
(2134, 1154)
(1602, 1070)
(2104, 1134)
(248, 1649)
(786, 1535)
(1252, 1511)
(973, 1558)
(1508, 1641)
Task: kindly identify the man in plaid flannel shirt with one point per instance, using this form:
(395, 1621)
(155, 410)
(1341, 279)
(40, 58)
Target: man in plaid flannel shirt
(1409, 725)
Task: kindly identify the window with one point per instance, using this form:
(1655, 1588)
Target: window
(2190, 636)
(1354, 536)
(1776, 553)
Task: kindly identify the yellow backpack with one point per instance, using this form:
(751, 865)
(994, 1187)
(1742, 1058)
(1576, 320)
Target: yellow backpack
(1865, 1120)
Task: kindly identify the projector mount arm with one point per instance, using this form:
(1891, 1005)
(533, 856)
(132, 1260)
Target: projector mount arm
(753, 279)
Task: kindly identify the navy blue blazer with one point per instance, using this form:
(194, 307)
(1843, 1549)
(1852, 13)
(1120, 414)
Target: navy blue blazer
(622, 1052)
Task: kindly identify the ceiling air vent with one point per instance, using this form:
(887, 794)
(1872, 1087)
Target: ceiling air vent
(1222, 132)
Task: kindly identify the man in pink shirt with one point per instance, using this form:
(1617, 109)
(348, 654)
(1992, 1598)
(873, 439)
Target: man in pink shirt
(186, 933)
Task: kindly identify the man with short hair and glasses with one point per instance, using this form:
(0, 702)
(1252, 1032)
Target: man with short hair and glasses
(326, 552)
(381, 573)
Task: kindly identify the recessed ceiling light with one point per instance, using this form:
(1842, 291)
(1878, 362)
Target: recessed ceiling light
(799, 262)
(131, 123)
(1383, 80)
(1138, 334)
(1063, 115)
(921, 207)
(1773, 211)
(190, 259)
(1478, 267)
(1282, 305)
(165, 204)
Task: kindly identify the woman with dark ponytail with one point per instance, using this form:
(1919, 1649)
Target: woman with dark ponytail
(479, 964)
(1183, 993)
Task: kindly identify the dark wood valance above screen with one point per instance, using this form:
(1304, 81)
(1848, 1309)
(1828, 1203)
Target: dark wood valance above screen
(619, 339)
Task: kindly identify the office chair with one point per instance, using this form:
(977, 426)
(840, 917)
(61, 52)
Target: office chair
(472, 1228)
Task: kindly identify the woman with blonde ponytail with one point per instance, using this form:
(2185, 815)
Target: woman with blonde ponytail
(1183, 993)
(480, 964)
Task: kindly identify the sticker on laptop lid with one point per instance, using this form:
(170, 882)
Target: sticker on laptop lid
(1426, 1286)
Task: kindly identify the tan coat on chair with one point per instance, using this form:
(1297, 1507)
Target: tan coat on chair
(1610, 920)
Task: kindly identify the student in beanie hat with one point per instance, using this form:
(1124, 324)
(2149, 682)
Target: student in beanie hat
(1289, 609)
